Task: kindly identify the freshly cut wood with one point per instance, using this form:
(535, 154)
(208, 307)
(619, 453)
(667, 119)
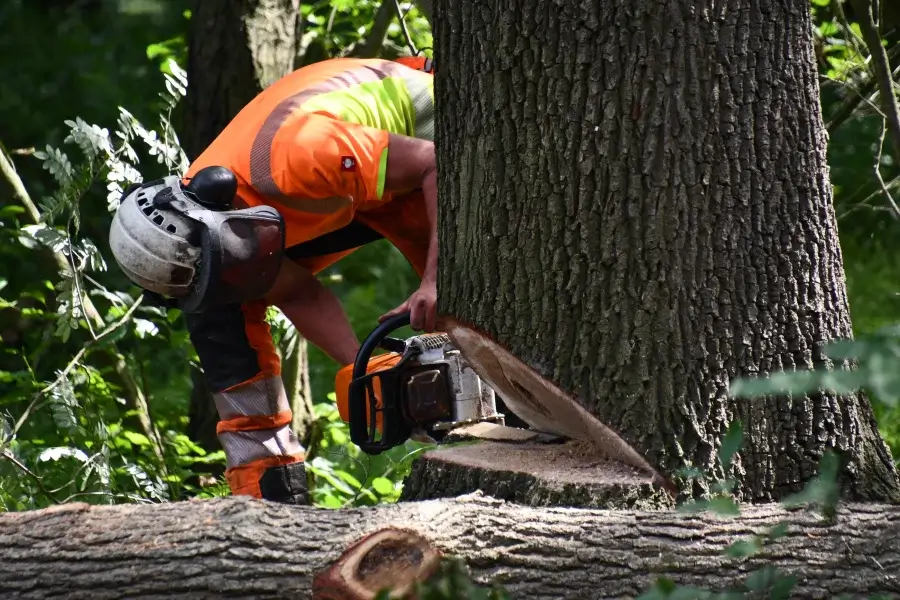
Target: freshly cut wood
(390, 559)
(535, 474)
(245, 548)
(539, 402)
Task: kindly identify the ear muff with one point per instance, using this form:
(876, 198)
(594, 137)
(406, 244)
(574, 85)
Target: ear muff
(213, 188)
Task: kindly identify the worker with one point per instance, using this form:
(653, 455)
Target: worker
(331, 157)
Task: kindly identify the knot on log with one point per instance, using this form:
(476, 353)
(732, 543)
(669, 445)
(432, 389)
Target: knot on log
(390, 559)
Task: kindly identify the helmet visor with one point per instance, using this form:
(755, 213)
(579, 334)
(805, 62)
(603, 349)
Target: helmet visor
(241, 256)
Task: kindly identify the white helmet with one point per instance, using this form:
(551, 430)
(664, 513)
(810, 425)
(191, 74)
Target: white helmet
(185, 242)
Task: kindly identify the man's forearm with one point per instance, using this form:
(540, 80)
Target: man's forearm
(429, 190)
(320, 318)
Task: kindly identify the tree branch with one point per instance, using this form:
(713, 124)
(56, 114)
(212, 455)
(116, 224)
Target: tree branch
(375, 40)
(65, 372)
(135, 396)
(845, 110)
(400, 17)
(881, 70)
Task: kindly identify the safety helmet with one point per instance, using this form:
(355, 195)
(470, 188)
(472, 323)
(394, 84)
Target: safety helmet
(188, 248)
(419, 63)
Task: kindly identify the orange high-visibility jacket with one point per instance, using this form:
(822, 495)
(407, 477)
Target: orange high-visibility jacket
(314, 146)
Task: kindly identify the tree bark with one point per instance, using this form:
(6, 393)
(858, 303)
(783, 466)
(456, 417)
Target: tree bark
(634, 201)
(295, 373)
(236, 48)
(246, 548)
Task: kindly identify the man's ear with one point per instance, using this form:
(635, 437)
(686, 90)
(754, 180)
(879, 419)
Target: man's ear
(292, 281)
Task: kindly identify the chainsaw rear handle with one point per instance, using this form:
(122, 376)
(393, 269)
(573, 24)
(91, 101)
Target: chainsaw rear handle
(378, 338)
(362, 395)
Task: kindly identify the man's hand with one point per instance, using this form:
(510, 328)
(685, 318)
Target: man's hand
(421, 306)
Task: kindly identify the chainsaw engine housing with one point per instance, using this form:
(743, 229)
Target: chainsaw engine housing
(441, 390)
(431, 390)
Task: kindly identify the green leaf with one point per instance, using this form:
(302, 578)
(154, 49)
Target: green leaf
(11, 210)
(689, 593)
(344, 475)
(338, 436)
(662, 587)
(782, 588)
(778, 531)
(743, 548)
(54, 454)
(383, 486)
(724, 506)
(792, 382)
(731, 443)
(138, 439)
(330, 501)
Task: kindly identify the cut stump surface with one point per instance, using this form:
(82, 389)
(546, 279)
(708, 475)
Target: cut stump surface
(534, 474)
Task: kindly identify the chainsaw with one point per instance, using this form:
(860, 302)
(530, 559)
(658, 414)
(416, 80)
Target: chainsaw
(430, 391)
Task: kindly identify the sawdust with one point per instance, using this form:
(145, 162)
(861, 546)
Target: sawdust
(574, 462)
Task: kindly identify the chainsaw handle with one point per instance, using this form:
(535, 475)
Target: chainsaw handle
(358, 392)
(374, 340)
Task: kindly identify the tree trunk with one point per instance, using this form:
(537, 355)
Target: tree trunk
(635, 202)
(245, 548)
(295, 374)
(236, 48)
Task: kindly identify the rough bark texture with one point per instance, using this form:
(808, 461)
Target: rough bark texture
(236, 48)
(295, 374)
(245, 548)
(634, 199)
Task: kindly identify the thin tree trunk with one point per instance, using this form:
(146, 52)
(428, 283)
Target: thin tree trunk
(295, 373)
(634, 201)
(245, 548)
(236, 49)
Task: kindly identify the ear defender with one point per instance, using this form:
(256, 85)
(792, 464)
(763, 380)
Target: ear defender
(213, 188)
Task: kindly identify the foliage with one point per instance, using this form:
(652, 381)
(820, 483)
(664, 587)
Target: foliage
(89, 448)
(339, 27)
(54, 445)
(344, 475)
(69, 424)
(110, 49)
(767, 581)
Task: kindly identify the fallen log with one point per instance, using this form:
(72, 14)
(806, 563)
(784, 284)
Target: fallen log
(245, 548)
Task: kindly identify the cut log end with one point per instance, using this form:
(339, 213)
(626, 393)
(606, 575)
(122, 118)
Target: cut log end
(534, 474)
(390, 559)
(539, 402)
